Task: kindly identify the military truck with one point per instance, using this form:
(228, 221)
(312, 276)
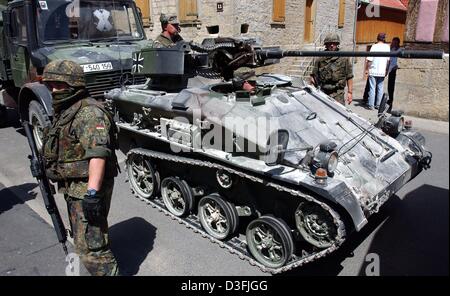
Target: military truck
(99, 35)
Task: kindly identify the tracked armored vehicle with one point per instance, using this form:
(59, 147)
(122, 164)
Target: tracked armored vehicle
(278, 172)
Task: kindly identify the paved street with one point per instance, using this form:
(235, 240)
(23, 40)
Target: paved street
(410, 234)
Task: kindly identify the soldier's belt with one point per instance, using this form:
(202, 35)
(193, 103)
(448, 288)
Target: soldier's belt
(329, 87)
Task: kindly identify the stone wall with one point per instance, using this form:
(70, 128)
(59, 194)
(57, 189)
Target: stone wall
(422, 87)
(258, 14)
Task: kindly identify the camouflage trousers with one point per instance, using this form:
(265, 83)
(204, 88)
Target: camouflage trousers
(91, 241)
(338, 95)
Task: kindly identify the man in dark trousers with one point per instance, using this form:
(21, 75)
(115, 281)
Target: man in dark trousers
(393, 66)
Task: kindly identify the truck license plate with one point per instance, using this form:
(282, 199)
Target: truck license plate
(97, 67)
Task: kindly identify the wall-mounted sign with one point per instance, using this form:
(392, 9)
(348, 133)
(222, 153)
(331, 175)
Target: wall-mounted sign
(219, 6)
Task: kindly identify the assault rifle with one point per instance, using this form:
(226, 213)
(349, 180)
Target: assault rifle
(38, 171)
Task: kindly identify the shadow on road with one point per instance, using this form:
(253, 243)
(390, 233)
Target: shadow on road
(131, 241)
(411, 238)
(12, 119)
(414, 239)
(359, 102)
(8, 196)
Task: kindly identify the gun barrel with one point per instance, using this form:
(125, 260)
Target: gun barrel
(406, 54)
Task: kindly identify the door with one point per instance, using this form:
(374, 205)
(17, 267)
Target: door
(18, 51)
(309, 21)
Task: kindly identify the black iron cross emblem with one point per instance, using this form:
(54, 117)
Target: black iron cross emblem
(138, 63)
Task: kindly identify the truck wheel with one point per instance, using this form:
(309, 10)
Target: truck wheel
(3, 116)
(39, 120)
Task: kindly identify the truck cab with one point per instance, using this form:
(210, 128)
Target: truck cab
(99, 35)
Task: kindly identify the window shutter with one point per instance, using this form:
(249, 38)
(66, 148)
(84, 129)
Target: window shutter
(341, 19)
(279, 11)
(144, 5)
(188, 10)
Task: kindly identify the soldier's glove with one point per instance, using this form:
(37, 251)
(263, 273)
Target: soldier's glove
(92, 207)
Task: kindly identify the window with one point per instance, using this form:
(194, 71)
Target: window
(279, 11)
(80, 20)
(18, 26)
(144, 6)
(188, 11)
(341, 19)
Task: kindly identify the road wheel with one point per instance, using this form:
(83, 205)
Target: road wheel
(3, 116)
(218, 217)
(270, 241)
(38, 120)
(144, 179)
(316, 225)
(177, 196)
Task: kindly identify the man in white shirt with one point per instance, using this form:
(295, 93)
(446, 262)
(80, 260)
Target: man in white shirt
(376, 69)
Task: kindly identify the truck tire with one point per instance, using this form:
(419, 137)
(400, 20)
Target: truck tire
(38, 120)
(3, 116)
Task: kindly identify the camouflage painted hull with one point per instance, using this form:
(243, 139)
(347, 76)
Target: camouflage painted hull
(361, 181)
(372, 165)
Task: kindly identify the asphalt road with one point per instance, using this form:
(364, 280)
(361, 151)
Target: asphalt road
(409, 235)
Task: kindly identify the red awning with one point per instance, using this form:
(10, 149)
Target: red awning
(395, 4)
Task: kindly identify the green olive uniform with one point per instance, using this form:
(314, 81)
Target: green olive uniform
(333, 73)
(163, 41)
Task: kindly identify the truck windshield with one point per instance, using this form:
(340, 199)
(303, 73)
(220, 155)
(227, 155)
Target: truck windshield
(82, 20)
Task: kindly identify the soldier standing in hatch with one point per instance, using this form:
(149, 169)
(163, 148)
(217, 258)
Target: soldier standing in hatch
(332, 74)
(171, 32)
(79, 151)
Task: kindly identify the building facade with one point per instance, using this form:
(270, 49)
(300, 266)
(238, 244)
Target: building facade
(422, 85)
(374, 16)
(291, 24)
(425, 84)
(287, 23)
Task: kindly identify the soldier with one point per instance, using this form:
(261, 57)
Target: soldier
(332, 74)
(79, 151)
(171, 32)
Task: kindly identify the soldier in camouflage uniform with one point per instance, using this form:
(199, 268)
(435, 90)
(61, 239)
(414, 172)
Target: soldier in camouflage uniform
(332, 74)
(171, 32)
(79, 151)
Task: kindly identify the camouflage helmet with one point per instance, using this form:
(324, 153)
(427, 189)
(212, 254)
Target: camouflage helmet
(65, 71)
(165, 19)
(332, 38)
